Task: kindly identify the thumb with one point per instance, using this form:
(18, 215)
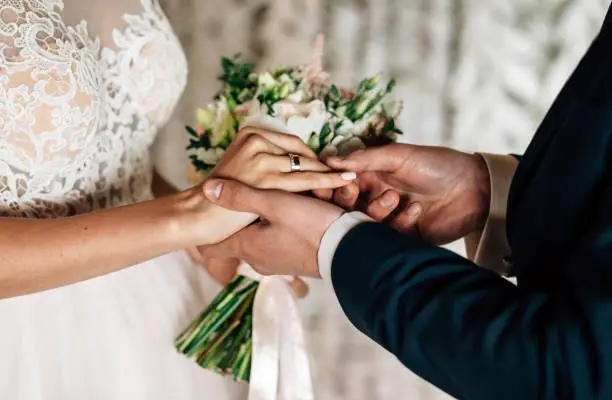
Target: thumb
(235, 196)
(379, 159)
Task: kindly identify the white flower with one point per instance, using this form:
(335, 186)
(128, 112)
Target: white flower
(266, 79)
(357, 128)
(217, 119)
(224, 124)
(300, 120)
(265, 121)
(340, 111)
(210, 156)
(337, 140)
(362, 126)
(286, 79)
(304, 127)
(347, 128)
(297, 97)
(205, 117)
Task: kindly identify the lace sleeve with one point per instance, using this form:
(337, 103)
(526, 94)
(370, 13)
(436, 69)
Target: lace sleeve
(49, 98)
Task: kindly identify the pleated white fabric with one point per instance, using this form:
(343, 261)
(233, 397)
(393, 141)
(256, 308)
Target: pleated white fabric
(110, 338)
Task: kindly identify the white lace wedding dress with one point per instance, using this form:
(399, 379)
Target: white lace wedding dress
(84, 87)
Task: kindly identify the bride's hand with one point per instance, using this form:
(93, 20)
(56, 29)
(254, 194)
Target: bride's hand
(260, 158)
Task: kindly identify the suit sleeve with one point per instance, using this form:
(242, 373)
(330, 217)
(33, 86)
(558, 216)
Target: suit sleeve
(468, 331)
(489, 247)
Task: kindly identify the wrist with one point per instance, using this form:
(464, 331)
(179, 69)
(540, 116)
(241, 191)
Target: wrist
(482, 195)
(196, 221)
(184, 217)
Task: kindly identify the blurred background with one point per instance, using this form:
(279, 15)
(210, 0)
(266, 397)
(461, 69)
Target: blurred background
(477, 75)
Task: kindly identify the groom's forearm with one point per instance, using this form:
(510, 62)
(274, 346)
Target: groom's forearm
(465, 329)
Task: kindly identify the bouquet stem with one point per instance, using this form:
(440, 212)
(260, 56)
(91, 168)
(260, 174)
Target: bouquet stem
(220, 338)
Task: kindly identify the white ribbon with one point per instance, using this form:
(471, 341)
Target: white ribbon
(280, 368)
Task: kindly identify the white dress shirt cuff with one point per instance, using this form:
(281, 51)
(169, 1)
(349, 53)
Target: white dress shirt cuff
(332, 238)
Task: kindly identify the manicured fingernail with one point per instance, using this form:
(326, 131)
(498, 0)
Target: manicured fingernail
(214, 191)
(387, 201)
(349, 176)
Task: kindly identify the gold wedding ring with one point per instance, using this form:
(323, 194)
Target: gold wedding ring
(294, 159)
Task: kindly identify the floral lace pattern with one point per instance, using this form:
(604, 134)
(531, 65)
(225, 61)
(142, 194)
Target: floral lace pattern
(77, 119)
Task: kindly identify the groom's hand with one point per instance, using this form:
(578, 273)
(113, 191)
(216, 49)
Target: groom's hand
(286, 242)
(440, 193)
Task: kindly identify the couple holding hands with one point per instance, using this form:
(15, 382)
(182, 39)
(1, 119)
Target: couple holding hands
(79, 200)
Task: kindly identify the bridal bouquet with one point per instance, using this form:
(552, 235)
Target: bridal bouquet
(295, 100)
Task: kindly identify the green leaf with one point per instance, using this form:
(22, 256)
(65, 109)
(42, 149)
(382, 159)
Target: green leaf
(374, 102)
(389, 126)
(285, 90)
(362, 107)
(372, 82)
(191, 131)
(274, 95)
(199, 165)
(193, 144)
(362, 85)
(205, 139)
(224, 144)
(226, 64)
(325, 131)
(246, 69)
(335, 91)
(390, 86)
(314, 143)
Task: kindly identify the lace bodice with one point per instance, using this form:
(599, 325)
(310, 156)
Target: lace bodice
(78, 109)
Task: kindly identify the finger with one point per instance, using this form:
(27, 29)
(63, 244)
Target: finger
(282, 163)
(299, 287)
(235, 196)
(274, 205)
(406, 220)
(346, 197)
(230, 248)
(306, 181)
(221, 270)
(382, 158)
(290, 143)
(323, 194)
(381, 207)
(253, 144)
(195, 255)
